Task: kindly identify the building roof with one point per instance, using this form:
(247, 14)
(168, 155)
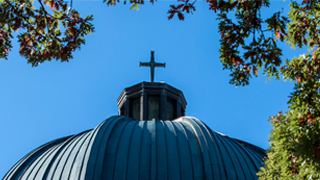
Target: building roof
(123, 148)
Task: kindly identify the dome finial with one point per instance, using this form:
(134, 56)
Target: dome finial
(152, 64)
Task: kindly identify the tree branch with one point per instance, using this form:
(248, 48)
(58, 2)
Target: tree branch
(46, 14)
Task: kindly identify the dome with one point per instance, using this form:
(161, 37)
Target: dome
(124, 148)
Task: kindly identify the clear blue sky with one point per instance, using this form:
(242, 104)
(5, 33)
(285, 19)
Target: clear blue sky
(41, 104)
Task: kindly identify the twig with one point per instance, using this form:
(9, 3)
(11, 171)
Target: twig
(22, 16)
(44, 9)
(194, 2)
(46, 14)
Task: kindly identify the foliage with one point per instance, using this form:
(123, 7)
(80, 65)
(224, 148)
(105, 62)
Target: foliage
(295, 140)
(246, 48)
(294, 152)
(42, 38)
(249, 43)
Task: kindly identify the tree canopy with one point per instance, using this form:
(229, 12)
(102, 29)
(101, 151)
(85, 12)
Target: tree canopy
(52, 29)
(44, 36)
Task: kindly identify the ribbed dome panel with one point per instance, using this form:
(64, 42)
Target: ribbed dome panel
(122, 148)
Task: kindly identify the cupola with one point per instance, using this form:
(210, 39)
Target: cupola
(152, 100)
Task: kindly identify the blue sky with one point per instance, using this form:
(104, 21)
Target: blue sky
(50, 101)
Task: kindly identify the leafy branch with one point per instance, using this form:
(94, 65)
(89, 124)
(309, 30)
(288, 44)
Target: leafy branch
(42, 38)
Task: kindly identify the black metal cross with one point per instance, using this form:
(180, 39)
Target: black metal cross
(152, 64)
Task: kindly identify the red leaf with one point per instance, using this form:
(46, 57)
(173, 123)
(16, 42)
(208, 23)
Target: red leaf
(52, 4)
(313, 54)
(57, 6)
(192, 7)
(278, 34)
(64, 7)
(173, 7)
(170, 17)
(171, 12)
(180, 16)
(186, 8)
(180, 6)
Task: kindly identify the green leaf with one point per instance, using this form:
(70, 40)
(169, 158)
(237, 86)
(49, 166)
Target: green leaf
(135, 7)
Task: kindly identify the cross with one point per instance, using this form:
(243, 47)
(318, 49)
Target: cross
(152, 64)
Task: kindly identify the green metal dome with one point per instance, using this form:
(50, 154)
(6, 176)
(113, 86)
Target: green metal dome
(123, 148)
